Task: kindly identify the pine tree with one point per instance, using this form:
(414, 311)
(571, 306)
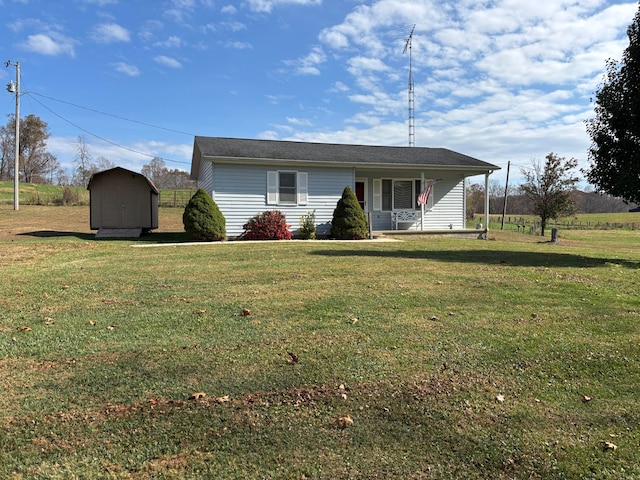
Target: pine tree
(615, 131)
(349, 221)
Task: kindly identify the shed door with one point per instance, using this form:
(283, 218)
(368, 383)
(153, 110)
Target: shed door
(120, 207)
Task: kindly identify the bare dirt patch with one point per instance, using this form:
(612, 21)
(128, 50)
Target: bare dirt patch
(42, 221)
(37, 221)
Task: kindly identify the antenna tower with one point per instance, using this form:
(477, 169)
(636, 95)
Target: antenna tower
(412, 132)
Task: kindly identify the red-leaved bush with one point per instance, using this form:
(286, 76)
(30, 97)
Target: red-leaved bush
(270, 225)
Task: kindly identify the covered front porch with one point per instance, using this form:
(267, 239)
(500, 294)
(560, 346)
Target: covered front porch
(394, 201)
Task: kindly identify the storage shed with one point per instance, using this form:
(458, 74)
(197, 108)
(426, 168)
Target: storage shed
(123, 203)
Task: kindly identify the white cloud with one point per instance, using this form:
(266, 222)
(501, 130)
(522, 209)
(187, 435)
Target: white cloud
(100, 3)
(234, 26)
(300, 122)
(266, 6)
(239, 45)
(229, 9)
(127, 69)
(500, 80)
(181, 10)
(309, 64)
(167, 61)
(110, 33)
(51, 44)
(172, 42)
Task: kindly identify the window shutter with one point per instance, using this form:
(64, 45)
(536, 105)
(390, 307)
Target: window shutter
(303, 190)
(377, 194)
(272, 188)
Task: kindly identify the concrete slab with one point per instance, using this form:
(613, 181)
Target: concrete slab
(119, 233)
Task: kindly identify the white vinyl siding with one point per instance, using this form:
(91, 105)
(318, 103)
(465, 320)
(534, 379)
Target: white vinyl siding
(240, 194)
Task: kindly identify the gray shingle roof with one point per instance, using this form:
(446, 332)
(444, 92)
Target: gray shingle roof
(331, 153)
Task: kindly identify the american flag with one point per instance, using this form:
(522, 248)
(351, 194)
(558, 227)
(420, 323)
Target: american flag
(423, 198)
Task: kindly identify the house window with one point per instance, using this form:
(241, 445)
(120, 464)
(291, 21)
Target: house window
(401, 194)
(287, 188)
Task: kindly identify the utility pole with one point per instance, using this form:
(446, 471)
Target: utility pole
(15, 88)
(506, 190)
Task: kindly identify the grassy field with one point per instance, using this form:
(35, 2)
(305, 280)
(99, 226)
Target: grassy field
(427, 358)
(34, 194)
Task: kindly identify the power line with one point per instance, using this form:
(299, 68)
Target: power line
(102, 138)
(110, 114)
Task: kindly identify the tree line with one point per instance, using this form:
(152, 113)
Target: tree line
(38, 165)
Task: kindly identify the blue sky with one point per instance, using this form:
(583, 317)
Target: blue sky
(500, 80)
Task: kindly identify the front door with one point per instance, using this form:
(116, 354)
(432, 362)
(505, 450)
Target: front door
(361, 193)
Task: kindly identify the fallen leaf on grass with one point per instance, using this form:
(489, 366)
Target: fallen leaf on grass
(153, 401)
(245, 312)
(610, 446)
(112, 327)
(200, 311)
(434, 318)
(293, 358)
(49, 321)
(344, 422)
(500, 398)
(198, 395)
(342, 390)
(586, 398)
(24, 328)
(92, 322)
(223, 399)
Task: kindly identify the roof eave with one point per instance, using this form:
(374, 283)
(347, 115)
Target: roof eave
(381, 165)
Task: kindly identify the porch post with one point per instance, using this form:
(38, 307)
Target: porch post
(486, 205)
(421, 206)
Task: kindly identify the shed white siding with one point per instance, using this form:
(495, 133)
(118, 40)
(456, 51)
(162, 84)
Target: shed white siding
(240, 191)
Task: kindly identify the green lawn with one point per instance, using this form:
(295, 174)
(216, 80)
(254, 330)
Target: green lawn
(511, 358)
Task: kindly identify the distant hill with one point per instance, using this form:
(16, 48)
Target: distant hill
(35, 194)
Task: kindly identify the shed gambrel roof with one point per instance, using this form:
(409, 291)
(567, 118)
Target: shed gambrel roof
(278, 152)
(108, 172)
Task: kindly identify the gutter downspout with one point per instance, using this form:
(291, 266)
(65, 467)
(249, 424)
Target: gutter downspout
(486, 205)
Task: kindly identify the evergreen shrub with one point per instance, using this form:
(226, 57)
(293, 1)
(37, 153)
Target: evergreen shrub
(349, 221)
(202, 219)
